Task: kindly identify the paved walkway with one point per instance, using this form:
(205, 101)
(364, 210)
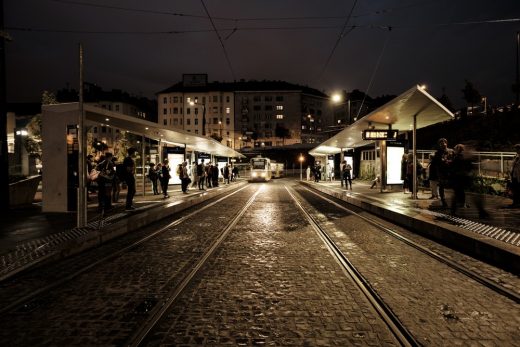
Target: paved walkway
(497, 207)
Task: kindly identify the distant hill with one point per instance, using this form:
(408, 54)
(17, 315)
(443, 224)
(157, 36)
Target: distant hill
(496, 132)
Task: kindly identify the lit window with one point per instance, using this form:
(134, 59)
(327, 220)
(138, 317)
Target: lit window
(279, 116)
(228, 110)
(279, 107)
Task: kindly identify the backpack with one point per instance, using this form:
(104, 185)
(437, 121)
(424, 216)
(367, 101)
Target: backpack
(200, 170)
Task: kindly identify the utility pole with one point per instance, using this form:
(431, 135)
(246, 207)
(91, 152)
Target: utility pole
(4, 160)
(517, 68)
(82, 196)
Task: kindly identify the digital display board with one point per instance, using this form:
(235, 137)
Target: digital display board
(374, 134)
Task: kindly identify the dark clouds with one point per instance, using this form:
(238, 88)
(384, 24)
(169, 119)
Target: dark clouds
(416, 50)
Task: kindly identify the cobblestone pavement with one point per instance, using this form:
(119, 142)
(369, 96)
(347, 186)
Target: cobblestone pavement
(105, 305)
(272, 282)
(439, 305)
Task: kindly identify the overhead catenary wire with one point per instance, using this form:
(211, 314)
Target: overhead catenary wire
(220, 40)
(236, 29)
(169, 13)
(340, 36)
(374, 73)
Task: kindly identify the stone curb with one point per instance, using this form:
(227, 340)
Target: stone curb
(493, 251)
(89, 237)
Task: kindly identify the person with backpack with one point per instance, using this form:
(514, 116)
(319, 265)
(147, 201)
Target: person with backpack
(104, 181)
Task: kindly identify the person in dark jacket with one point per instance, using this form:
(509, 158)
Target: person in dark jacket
(107, 172)
(460, 177)
(443, 158)
(153, 176)
(433, 177)
(165, 178)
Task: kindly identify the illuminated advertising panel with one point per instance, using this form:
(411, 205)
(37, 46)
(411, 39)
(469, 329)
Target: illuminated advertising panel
(394, 154)
(175, 156)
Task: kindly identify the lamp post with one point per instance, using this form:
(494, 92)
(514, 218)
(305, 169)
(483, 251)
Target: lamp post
(337, 99)
(301, 159)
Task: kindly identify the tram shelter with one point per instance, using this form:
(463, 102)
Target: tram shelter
(60, 180)
(412, 110)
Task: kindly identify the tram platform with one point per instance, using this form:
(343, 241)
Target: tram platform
(495, 238)
(29, 236)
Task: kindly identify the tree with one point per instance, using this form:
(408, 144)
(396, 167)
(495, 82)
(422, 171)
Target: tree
(282, 132)
(33, 140)
(443, 99)
(48, 98)
(471, 95)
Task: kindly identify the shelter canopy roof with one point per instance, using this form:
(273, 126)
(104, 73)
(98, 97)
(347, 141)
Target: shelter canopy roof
(103, 117)
(398, 114)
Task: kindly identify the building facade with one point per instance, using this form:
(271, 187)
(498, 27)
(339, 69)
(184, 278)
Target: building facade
(246, 114)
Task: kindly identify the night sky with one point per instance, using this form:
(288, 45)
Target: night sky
(142, 47)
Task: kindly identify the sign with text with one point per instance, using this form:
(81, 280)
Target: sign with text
(374, 134)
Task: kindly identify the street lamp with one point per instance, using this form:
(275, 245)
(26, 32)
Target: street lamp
(192, 103)
(338, 100)
(301, 159)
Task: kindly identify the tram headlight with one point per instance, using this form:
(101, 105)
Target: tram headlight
(254, 174)
(263, 174)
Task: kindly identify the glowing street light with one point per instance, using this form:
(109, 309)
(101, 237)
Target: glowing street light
(301, 159)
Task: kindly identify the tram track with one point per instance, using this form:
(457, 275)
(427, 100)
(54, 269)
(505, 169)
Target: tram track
(399, 331)
(27, 298)
(489, 283)
(157, 315)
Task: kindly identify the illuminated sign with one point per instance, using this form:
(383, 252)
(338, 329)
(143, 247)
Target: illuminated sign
(373, 134)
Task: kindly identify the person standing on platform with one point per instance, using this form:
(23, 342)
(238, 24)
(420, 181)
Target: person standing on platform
(194, 175)
(347, 175)
(185, 178)
(106, 175)
(404, 167)
(433, 177)
(201, 173)
(165, 178)
(308, 171)
(116, 183)
(460, 179)
(153, 176)
(515, 178)
(129, 165)
(443, 158)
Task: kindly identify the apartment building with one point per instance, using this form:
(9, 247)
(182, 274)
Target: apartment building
(246, 113)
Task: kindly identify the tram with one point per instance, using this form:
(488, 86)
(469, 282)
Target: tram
(260, 169)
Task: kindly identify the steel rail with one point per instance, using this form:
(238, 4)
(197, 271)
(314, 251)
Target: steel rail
(399, 331)
(114, 255)
(163, 307)
(443, 259)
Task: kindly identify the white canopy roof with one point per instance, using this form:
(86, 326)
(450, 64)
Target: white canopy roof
(98, 115)
(397, 113)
